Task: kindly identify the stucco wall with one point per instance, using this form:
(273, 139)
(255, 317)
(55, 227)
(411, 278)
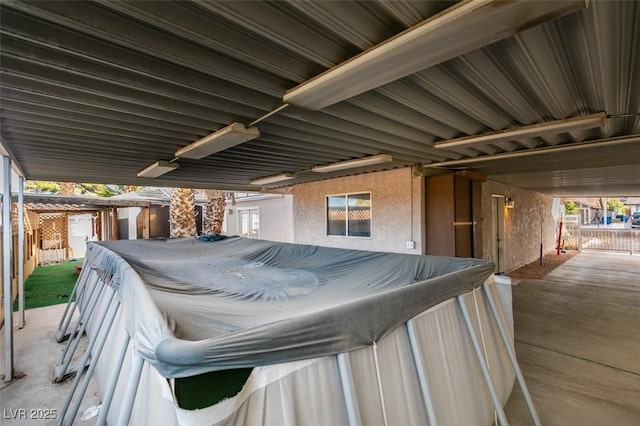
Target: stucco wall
(396, 209)
(522, 227)
(397, 201)
(276, 217)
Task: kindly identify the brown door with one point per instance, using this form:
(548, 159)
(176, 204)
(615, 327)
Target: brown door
(453, 216)
(463, 220)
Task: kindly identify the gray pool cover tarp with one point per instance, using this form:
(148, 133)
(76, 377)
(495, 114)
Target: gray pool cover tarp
(195, 306)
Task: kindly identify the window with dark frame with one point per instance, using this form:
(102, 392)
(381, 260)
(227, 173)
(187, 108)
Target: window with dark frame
(349, 215)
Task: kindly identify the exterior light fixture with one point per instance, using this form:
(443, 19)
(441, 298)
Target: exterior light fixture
(352, 164)
(509, 203)
(272, 179)
(227, 137)
(534, 130)
(464, 27)
(158, 169)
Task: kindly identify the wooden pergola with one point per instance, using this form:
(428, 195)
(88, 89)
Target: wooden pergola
(103, 207)
(63, 205)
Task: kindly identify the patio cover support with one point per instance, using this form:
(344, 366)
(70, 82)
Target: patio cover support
(6, 268)
(20, 252)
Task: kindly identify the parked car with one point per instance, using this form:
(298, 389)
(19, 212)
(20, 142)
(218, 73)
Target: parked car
(635, 220)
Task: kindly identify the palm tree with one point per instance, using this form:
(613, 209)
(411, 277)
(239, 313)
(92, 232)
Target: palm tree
(214, 215)
(182, 213)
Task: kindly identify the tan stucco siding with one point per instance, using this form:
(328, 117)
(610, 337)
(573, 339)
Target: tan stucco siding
(396, 211)
(523, 231)
(397, 201)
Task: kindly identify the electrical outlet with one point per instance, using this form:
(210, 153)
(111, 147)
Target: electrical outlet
(411, 245)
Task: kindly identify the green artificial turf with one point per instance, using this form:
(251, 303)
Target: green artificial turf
(50, 285)
(207, 389)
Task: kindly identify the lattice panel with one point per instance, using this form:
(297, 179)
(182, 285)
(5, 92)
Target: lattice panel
(353, 215)
(47, 216)
(53, 223)
(336, 215)
(359, 214)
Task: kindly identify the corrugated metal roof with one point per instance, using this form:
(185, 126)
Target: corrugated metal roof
(96, 91)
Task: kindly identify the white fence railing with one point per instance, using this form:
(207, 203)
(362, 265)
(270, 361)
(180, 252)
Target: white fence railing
(576, 236)
(610, 239)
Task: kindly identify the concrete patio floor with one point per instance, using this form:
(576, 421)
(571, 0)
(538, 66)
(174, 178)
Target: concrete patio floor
(577, 334)
(577, 340)
(35, 354)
